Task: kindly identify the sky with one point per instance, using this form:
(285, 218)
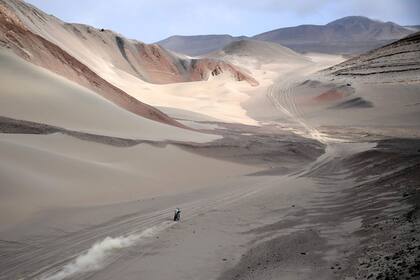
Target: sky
(153, 20)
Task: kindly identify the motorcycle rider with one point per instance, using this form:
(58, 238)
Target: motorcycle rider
(177, 215)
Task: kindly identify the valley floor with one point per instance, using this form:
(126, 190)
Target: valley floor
(351, 212)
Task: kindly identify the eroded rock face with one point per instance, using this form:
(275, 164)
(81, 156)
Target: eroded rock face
(161, 67)
(202, 69)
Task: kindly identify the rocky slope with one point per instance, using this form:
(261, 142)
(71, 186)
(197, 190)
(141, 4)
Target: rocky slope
(34, 48)
(401, 58)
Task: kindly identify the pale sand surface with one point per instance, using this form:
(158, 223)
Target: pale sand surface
(180, 114)
(44, 171)
(392, 105)
(32, 93)
(261, 106)
(220, 97)
(294, 227)
(392, 109)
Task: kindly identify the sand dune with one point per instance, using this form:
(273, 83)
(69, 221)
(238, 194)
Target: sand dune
(32, 93)
(41, 52)
(119, 65)
(44, 171)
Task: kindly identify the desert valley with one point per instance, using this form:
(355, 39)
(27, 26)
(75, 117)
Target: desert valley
(292, 154)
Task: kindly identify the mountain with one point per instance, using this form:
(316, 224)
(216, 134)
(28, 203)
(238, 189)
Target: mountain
(353, 34)
(105, 52)
(197, 45)
(400, 57)
(259, 50)
(32, 47)
(413, 27)
(348, 35)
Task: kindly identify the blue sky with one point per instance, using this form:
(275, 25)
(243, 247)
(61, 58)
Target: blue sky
(150, 21)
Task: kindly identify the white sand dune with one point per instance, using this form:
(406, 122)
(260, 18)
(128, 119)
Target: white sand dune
(177, 113)
(220, 97)
(32, 93)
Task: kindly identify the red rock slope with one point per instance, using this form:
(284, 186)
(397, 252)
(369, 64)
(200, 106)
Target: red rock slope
(35, 49)
(105, 51)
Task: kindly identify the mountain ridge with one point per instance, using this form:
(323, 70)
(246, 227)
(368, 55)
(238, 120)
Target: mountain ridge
(333, 37)
(112, 51)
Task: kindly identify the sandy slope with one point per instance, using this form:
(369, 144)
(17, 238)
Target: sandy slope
(297, 227)
(129, 65)
(43, 171)
(32, 93)
(222, 98)
(378, 90)
(39, 51)
(262, 107)
(392, 108)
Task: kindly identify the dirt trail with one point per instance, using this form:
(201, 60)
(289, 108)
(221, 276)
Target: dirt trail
(46, 257)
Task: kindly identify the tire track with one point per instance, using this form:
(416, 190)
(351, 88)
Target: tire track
(283, 96)
(48, 257)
